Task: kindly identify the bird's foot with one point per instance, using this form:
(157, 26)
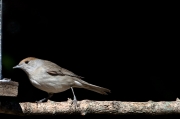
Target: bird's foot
(42, 100)
(74, 103)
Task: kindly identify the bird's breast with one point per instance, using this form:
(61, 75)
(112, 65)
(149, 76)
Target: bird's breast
(51, 84)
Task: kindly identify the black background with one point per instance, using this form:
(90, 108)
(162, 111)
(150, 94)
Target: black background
(129, 48)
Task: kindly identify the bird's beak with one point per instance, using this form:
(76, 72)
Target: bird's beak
(17, 66)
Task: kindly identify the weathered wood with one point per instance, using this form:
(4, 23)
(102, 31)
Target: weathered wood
(9, 88)
(91, 107)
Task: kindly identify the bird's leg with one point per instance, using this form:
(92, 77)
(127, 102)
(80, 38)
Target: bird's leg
(49, 96)
(74, 98)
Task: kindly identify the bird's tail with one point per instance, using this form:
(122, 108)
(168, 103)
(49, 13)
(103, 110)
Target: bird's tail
(82, 84)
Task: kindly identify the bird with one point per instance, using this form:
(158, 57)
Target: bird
(51, 78)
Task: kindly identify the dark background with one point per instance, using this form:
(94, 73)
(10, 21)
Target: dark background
(126, 47)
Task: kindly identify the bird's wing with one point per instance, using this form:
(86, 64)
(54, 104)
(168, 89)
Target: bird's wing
(54, 69)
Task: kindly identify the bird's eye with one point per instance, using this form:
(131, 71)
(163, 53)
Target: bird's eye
(26, 62)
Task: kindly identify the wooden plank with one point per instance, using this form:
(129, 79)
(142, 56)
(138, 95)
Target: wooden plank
(9, 88)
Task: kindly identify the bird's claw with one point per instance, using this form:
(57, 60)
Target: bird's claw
(38, 101)
(74, 102)
(42, 100)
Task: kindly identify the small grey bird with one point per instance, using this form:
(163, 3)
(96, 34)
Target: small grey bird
(51, 78)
